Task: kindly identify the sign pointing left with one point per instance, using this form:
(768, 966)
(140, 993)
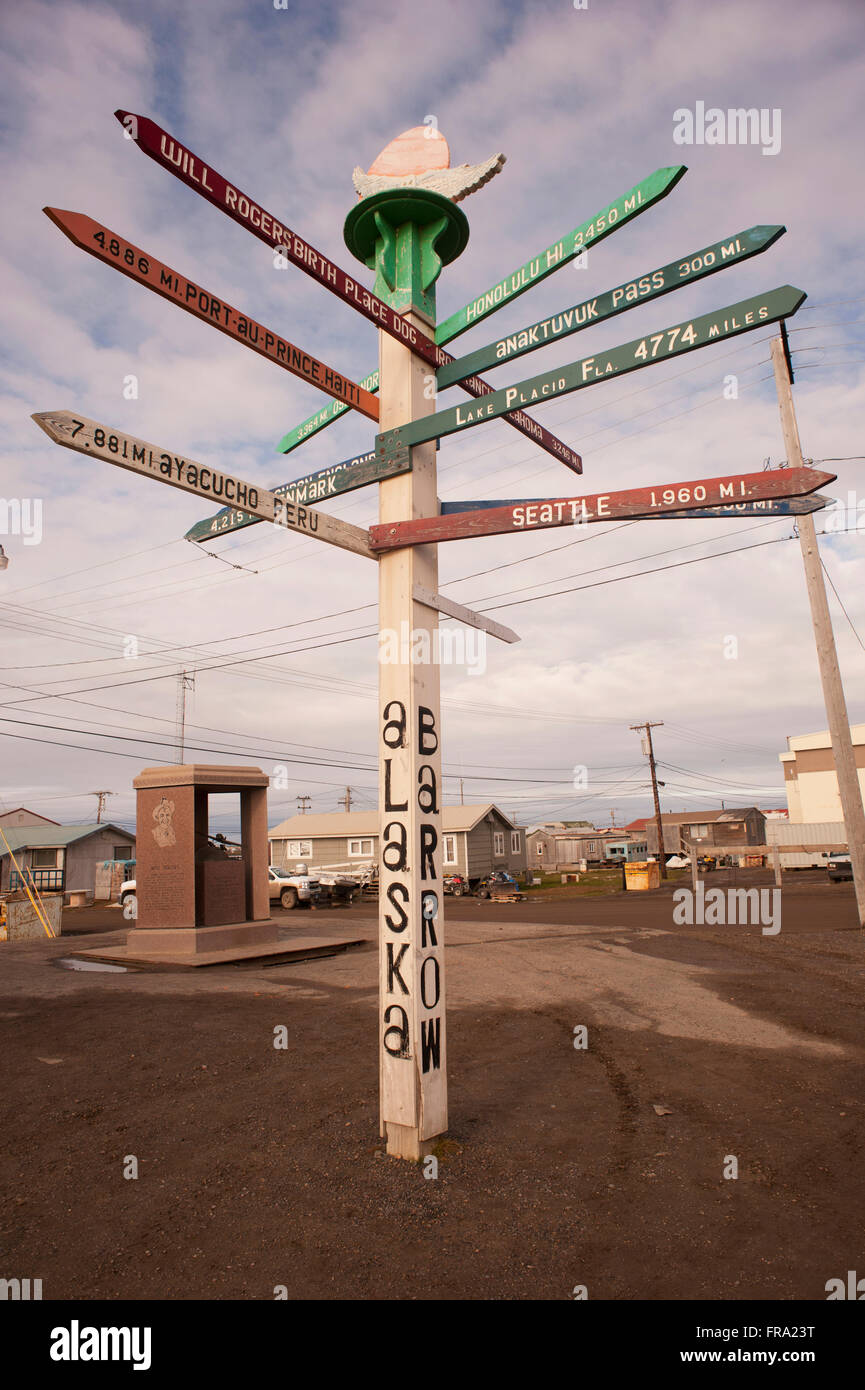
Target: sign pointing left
(152, 461)
(130, 260)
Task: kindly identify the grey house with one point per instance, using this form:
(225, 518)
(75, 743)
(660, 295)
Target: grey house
(477, 839)
(61, 858)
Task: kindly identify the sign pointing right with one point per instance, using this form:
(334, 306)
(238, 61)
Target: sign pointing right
(640, 352)
(664, 499)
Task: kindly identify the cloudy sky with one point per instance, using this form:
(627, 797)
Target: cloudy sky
(623, 622)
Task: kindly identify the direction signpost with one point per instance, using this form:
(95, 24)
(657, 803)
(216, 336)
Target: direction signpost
(152, 461)
(630, 357)
(662, 500)
(407, 232)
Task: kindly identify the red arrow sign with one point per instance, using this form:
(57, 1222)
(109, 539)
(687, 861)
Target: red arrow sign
(130, 260)
(606, 506)
(186, 166)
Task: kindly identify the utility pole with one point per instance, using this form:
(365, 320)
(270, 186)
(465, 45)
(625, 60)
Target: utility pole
(185, 681)
(100, 803)
(462, 798)
(827, 656)
(649, 750)
(301, 802)
(346, 800)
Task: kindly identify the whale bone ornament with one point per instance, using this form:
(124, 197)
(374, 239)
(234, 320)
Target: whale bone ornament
(420, 158)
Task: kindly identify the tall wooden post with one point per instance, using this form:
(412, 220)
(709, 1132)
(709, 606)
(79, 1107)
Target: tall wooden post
(827, 656)
(404, 230)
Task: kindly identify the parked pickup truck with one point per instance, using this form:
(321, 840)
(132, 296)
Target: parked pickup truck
(291, 889)
(287, 889)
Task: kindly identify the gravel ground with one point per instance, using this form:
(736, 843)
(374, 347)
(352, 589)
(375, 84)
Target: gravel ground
(601, 1166)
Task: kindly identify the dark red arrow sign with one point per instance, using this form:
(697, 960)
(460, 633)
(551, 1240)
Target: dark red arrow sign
(130, 260)
(606, 506)
(186, 166)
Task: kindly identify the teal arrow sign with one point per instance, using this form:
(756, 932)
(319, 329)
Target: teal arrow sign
(638, 290)
(640, 352)
(638, 199)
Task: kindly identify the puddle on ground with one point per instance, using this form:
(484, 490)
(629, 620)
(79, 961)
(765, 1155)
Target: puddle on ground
(67, 963)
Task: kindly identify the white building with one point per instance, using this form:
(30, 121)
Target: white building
(810, 778)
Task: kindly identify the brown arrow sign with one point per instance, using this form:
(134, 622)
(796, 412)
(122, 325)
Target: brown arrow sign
(673, 498)
(152, 461)
(170, 154)
(139, 265)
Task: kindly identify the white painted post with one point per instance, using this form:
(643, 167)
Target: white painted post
(413, 1081)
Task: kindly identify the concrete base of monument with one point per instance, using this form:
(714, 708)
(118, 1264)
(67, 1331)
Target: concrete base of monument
(197, 946)
(199, 941)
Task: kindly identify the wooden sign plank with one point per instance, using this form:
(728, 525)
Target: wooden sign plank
(191, 170)
(465, 615)
(661, 500)
(630, 357)
(152, 461)
(638, 290)
(314, 487)
(771, 506)
(140, 266)
(638, 199)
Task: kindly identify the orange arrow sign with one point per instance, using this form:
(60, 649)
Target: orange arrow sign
(130, 260)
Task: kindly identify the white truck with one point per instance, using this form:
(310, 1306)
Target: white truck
(289, 890)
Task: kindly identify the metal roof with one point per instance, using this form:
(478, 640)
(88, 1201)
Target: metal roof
(339, 824)
(53, 836)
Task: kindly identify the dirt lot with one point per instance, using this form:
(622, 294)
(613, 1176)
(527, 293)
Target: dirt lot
(261, 1167)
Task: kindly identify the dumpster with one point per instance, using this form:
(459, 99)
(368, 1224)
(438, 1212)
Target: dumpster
(642, 875)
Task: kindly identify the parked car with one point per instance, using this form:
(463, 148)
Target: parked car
(499, 881)
(839, 866)
(456, 884)
(291, 889)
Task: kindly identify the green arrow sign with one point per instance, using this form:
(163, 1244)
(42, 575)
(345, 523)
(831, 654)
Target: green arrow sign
(638, 199)
(615, 215)
(314, 487)
(322, 418)
(638, 290)
(640, 352)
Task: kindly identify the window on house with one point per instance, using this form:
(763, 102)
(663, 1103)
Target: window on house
(540, 850)
(360, 849)
(450, 849)
(121, 852)
(698, 832)
(298, 849)
(44, 858)
(590, 846)
(499, 843)
(515, 842)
